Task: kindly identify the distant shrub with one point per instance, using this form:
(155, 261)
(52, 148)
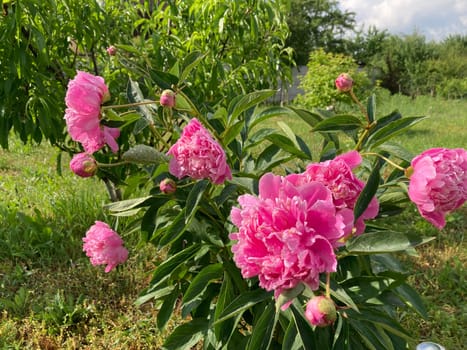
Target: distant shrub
(318, 83)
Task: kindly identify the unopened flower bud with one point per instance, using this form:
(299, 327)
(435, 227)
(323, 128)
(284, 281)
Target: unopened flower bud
(321, 311)
(83, 164)
(344, 82)
(167, 98)
(168, 186)
(112, 50)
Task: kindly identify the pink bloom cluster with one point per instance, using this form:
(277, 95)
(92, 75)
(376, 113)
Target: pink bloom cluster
(198, 155)
(321, 311)
(287, 234)
(83, 164)
(438, 184)
(104, 246)
(83, 99)
(345, 187)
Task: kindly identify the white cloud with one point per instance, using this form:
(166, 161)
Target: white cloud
(435, 19)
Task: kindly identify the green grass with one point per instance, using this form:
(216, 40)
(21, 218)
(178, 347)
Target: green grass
(52, 298)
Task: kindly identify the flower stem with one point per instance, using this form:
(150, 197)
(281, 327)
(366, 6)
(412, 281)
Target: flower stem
(130, 105)
(328, 284)
(111, 165)
(362, 108)
(397, 166)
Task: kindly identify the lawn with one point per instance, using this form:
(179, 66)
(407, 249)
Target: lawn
(52, 298)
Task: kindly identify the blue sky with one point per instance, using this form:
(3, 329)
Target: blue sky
(435, 19)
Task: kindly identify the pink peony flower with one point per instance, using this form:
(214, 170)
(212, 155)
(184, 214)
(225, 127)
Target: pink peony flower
(104, 246)
(321, 311)
(344, 82)
(111, 50)
(285, 233)
(167, 98)
(168, 186)
(438, 184)
(197, 155)
(83, 164)
(345, 187)
(84, 97)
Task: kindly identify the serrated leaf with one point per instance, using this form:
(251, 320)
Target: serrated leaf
(199, 284)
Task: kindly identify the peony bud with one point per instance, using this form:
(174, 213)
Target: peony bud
(168, 186)
(321, 311)
(83, 164)
(344, 82)
(112, 50)
(167, 98)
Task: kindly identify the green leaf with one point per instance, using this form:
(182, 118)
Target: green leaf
(339, 123)
(143, 154)
(135, 95)
(240, 105)
(167, 308)
(263, 330)
(243, 302)
(311, 118)
(291, 340)
(159, 293)
(187, 335)
(175, 230)
(305, 332)
(194, 294)
(262, 114)
(224, 329)
(391, 130)
(193, 199)
(190, 62)
(232, 132)
(368, 192)
(127, 204)
(384, 242)
(287, 145)
(164, 270)
(371, 108)
(396, 150)
(412, 299)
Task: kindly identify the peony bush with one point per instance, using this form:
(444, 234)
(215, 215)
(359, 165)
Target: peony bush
(267, 246)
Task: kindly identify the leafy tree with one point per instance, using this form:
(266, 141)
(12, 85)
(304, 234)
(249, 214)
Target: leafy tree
(318, 24)
(240, 44)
